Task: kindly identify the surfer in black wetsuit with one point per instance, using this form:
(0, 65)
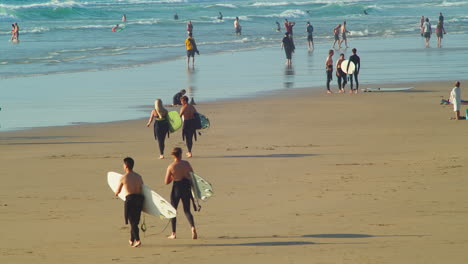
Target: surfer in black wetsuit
(179, 173)
(357, 63)
(132, 183)
(177, 96)
(187, 112)
(161, 125)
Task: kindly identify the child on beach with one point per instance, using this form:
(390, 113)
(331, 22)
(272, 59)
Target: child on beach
(161, 125)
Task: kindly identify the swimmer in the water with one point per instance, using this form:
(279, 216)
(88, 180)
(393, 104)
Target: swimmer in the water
(114, 29)
(176, 17)
(220, 16)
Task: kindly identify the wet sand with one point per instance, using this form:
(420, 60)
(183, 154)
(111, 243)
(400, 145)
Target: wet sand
(299, 177)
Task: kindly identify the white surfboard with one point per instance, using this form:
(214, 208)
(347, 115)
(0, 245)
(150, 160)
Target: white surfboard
(344, 66)
(396, 89)
(154, 203)
(201, 188)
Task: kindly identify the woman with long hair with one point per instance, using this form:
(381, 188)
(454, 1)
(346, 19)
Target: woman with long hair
(161, 125)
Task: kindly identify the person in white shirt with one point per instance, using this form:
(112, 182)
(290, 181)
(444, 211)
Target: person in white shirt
(455, 100)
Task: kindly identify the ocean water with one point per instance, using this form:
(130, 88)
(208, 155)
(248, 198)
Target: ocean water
(70, 68)
(75, 35)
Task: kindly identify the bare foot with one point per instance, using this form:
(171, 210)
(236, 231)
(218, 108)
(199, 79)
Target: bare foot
(329, 92)
(137, 244)
(172, 236)
(161, 156)
(194, 233)
(189, 154)
(130, 242)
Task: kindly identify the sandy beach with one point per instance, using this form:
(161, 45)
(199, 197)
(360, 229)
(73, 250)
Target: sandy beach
(299, 177)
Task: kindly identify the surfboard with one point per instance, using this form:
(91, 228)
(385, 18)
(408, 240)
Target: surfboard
(396, 89)
(344, 66)
(201, 189)
(204, 121)
(175, 122)
(154, 203)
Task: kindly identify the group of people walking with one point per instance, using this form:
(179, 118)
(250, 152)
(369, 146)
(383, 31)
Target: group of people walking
(161, 127)
(426, 30)
(179, 172)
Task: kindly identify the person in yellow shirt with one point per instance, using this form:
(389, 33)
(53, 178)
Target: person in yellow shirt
(191, 47)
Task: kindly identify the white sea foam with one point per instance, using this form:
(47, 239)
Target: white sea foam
(222, 5)
(51, 4)
(7, 17)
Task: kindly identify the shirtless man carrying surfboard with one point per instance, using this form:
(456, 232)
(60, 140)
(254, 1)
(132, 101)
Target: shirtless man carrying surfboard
(132, 184)
(179, 173)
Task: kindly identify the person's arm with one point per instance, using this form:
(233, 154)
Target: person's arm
(347, 66)
(182, 110)
(119, 189)
(358, 66)
(150, 119)
(168, 179)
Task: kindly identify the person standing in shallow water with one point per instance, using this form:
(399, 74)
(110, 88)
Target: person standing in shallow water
(288, 46)
(178, 172)
(161, 125)
(426, 30)
(187, 112)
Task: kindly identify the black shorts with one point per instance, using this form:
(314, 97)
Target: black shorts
(337, 37)
(427, 34)
(190, 53)
(310, 38)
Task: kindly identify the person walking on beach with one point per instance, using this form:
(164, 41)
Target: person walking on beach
(132, 184)
(343, 35)
(13, 33)
(329, 69)
(336, 34)
(191, 47)
(427, 31)
(440, 31)
(187, 112)
(189, 26)
(178, 172)
(17, 31)
(340, 74)
(455, 100)
(237, 27)
(288, 46)
(177, 97)
(310, 39)
(161, 125)
(357, 64)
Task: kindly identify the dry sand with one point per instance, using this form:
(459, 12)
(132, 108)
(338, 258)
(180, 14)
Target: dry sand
(299, 178)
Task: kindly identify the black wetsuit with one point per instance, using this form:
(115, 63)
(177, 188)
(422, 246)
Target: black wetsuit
(189, 132)
(133, 207)
(357, 63)
(329, 75)
(161, 130)
(288, 46)
(182, 190)
(341, 76)
(176, 98)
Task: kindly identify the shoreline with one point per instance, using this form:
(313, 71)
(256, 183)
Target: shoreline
(286, 93)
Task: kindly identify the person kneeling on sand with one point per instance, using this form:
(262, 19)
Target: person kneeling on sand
(455, 100)
(132, 183)
(179, 173)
